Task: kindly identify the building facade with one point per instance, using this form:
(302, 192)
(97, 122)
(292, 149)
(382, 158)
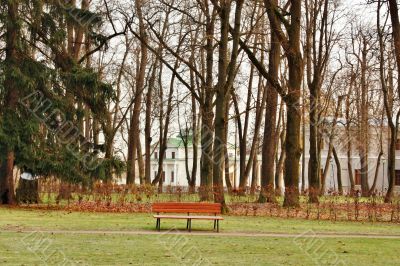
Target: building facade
(174, 164)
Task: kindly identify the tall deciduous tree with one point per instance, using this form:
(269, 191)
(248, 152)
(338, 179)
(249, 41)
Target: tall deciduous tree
(134, 130)
(291, 45)
(226, 75)
(394, 15)
(270, 133)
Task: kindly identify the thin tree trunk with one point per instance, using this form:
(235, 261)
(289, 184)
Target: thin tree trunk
(192, 184)
(227, 177)
(164, 130)
(147, 128)
(364, 127)
(378, 164)
(243, 179)
(254, 174)
(279, 165)
(349, 146)
(316, 51)
(326, 169)
(338, 171)
(331, 147)
(140, 161)
(261, 102)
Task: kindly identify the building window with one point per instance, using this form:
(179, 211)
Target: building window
(155, 155)
(357, 177)
(155, 174)
(397, 178)
(172, 177)
(398, 144)
(173, 155)
(163, 176)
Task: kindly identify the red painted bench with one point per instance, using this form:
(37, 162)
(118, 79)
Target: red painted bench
(189, 209)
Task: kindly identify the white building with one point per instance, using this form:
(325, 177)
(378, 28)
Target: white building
(175, 172)
(174, 166)
(341, 145)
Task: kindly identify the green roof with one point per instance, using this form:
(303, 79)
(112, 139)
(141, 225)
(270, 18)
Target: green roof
(177, 142)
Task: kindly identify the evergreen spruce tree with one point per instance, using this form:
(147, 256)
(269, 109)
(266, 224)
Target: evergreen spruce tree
(39, 128)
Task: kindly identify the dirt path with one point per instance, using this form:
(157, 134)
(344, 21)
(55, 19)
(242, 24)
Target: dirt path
(308, 234)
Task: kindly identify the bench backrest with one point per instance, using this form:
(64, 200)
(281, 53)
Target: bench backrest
(186, 207)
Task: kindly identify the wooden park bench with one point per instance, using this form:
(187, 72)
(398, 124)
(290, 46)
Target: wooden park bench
(189, 209)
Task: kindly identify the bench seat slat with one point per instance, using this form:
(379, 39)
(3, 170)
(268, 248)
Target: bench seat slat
(185, 211)
(183, 205)
(177, 207)
(187, 208)
(187, 203)
(189, 217)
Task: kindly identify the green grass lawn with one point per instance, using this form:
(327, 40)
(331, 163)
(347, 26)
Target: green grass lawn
(16, 249)
(34, 219)
(22, 248)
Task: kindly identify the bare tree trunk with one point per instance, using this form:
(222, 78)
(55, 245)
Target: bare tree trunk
(338, 171)
(303, 157)
(394, 15)
(207, 114)
(221, 105)
(164, 131)
(378, 164)
(349, 146)
(391, 166)
(279, 164)
(192, 185)
(254, 173)
(226, 74)
(140, 161)
(364, 127)
(316, 52)
(185, 144)
(227, 177)
(134, 123)
(147, 128)
(331, 147)
(291, 45)
(267, 193)
(243, 178)
(293, 120)
(326, 169)
(260, 105)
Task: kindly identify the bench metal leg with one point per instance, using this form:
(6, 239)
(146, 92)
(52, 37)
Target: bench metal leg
(217, 226)
(158, 224)
(190, 225)
(187, 224)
